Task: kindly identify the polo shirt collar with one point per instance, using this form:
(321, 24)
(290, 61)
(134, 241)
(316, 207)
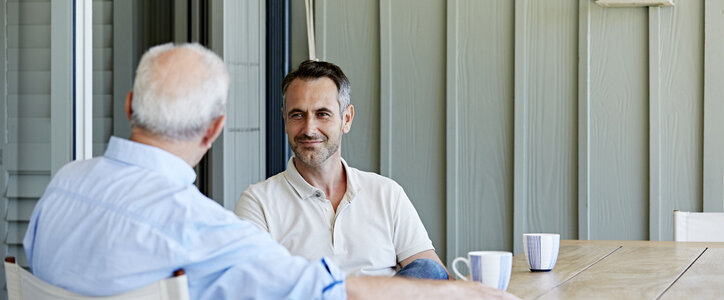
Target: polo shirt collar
(306, 190)
(151, 158)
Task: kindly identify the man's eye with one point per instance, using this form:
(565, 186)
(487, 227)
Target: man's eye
(296, 116)
(323, 114)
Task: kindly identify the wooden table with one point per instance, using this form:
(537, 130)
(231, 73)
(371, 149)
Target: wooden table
(625, 270)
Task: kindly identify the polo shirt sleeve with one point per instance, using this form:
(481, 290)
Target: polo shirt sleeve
(410, 236)
(250, 209)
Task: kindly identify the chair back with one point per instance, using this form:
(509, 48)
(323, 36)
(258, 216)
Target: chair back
(698, 226)
(23, 285)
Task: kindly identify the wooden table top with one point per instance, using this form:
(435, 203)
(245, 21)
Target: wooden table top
(625, 270)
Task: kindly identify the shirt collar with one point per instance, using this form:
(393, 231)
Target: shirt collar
(151, 158)
(306, 190)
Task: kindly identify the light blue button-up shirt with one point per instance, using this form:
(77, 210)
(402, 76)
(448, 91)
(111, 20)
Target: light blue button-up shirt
(131, 217)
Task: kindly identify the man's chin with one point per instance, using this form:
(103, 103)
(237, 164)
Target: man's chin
(312, 156)
(309, 159)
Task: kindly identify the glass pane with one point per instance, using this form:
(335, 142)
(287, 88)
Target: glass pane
(122, 31)
(102, 74)
(35, 96)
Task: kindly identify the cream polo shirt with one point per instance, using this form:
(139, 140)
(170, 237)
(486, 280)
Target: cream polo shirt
(374, 228)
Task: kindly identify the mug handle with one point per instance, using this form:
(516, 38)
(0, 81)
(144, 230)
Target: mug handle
(455, 269)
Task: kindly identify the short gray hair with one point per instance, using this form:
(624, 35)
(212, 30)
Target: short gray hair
(312, 69)
(179, 112)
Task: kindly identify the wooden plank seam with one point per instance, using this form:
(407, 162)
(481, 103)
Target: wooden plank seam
(579, 272)
(681, 274)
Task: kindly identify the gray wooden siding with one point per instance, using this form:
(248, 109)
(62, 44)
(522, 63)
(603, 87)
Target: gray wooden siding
(243, 138)
(412, 102)
(676, 113)
(713, 106)
(351, 42)
(545, 117)
(483, 124)
(505, 117)
(618, 132)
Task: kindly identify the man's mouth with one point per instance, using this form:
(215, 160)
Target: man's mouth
(309, 143)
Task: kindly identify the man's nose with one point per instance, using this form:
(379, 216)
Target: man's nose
(310, 125)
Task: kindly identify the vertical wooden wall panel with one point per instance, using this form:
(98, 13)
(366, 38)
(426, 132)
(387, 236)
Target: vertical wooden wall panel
(584, 118)
(713, 106)
(298, 31)
(546, 117)
(484, 99)
(4, 111)
(655, 130)
(618, 130)
(385, 86)
(452, 131)
(244, 138)
(349, 37)
(521, 127)
(682, 111)
(414, 39)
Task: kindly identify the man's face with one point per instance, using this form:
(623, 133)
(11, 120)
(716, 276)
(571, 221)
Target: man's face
(312, 120)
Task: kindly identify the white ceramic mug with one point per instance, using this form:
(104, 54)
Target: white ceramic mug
(491, 268)
(541, 250)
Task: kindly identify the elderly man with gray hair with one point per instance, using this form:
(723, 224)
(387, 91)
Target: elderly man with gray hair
(131, 217)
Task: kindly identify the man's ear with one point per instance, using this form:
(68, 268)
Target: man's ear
(347, 118)
(129, 108)
(213, 131)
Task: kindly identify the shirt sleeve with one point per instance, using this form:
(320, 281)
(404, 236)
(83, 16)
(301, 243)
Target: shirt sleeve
(250, 209)
(29, 239)
(410, 236)
(235, 260)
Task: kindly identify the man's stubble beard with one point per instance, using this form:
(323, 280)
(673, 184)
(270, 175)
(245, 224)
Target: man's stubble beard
(316, 158)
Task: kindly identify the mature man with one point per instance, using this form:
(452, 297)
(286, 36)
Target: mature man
(133, 216)
(320, 206)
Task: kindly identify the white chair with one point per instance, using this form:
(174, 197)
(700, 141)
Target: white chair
(698, 227)
(23, 285)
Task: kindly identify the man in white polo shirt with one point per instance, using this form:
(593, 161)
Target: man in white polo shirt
(320, 206)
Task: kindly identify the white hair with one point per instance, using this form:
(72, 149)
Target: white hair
(179, 112)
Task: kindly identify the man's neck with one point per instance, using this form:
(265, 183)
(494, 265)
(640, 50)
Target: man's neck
(183, 150)
(330, 177)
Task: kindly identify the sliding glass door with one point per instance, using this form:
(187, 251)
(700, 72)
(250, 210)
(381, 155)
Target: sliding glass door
(36, 96)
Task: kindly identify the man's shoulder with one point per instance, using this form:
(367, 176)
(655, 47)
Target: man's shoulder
(270, 185)
(129, 190)
(79, 165)
(76, 170)
(367, 179)
(102, 171)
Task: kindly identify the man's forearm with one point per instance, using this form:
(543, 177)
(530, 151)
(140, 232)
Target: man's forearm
(403, 288)
(429, 254)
